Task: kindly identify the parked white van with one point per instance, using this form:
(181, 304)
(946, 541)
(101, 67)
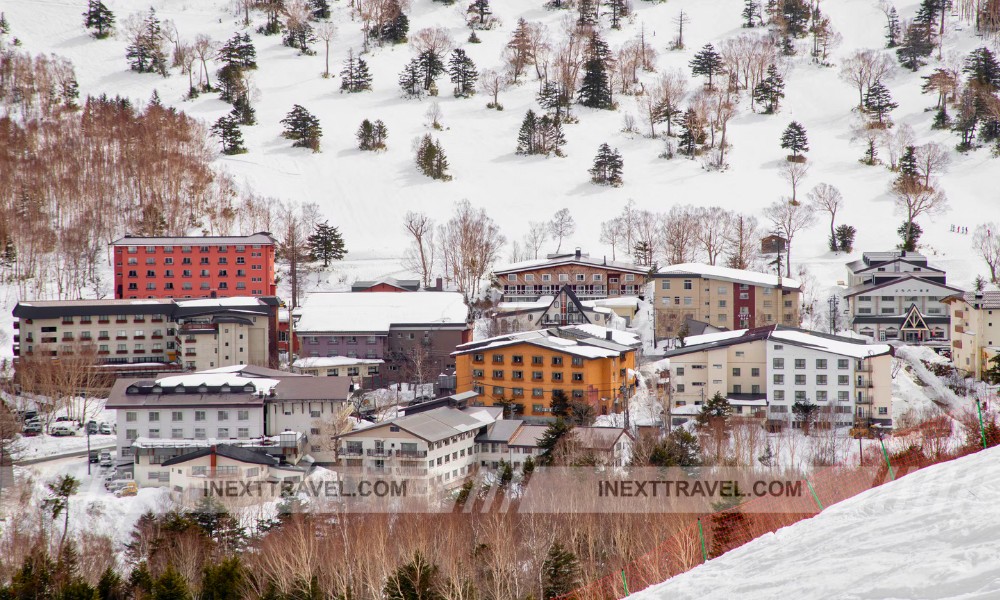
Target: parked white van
(62, 428)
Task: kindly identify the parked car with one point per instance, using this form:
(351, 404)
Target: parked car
(129, 489)
(105, 459)
(105, 429)
(62, 418)
(91, 427)
(29, 415)
(62, 429)
(32, 430)
(95, 456)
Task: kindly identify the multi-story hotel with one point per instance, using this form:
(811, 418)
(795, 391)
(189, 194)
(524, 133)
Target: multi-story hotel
(521, 371)
(766, 370)
(722, 297)
(590, 278)
(194, 267)
(149, 336)
(975, 331)
(898, 296)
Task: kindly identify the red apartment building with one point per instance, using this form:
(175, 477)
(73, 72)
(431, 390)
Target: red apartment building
(194, 267)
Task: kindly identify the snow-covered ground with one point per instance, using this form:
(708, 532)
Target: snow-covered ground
(928, 535)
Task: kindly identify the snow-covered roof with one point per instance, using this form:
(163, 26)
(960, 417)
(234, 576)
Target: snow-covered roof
(591, 342)
(377, 311)
(194, 380)
(706, 338)
(618, 302)
(437, 424)
(727, 274)
(569, 259)
(843, 346)
(318, 362)
(219, 302)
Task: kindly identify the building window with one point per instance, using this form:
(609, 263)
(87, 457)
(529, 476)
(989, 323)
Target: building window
(688, 284)
(820, 363)
(736, 371)
(779, 379)
(800, 363)
(800, 380)
(199, 415)
(778, 363)
(843, 380)
(177, 416)
(223, 432)
(779, 395)
(843, 363)
(821, 380)
(154, 417)
(755, 372)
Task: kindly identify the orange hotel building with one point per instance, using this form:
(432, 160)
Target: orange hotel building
(522, 370)
(194, 267)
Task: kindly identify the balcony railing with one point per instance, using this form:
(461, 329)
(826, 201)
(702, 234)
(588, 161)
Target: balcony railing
(865, 399)
(345, 451)
(385, 453)
(411, 453)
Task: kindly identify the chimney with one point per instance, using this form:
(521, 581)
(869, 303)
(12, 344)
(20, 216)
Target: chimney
(578, 252)
(607, 335)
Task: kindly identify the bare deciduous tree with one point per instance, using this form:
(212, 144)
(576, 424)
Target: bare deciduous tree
(493, 82)
(432, 39)
(562, 225)
(788, 219)
(326, 31)
(469, 243)
(743, 243)
(863, 68)
(713, 231)
(913, 200)
(827, 198)
(678, 232)
(986, 241)
(204, 49)
(419, 256)
(297, 223)
(794, 173)
(932, 158)
(538, 232)
(612, 234)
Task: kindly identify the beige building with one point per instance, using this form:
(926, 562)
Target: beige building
(765, 371)
(975, 330)
(723, 297)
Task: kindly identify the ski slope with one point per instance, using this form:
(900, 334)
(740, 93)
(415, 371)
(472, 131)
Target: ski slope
(929, 535)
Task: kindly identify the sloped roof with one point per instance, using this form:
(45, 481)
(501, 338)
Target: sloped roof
(571, 259)
(262, 237)
(726, 274)
(598, 438)
(527, 436)
(410, 285)
(437, 424)
(501, 431)
(376, 312)
(988, 300)
(231, 452)
(903, 277)
(569, 340)
(834, 344)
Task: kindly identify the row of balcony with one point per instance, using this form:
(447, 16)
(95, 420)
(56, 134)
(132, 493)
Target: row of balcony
(384, 453)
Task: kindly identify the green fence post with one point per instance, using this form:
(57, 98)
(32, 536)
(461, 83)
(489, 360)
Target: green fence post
(701, 536)
(982, 429)
(886, 456)
(624, 582)
(815, 496)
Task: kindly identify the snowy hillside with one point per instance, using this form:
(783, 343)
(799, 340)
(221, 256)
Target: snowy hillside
(366, 194)
(928, 535)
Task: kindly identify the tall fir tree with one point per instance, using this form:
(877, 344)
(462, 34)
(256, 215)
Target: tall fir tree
(146, 54)
(751, 14)
(587, 13)
(707, 62)
(480, 12)
(98, 18)
(892, 31)
(595, 89)
(548, 442)
(227, 129)
(326, 244)
(560, 572)
(608, 167)
(616, 10)
(878, 102)
(431, 66)
(915, 47)
(418, 579)
(320, 9)
(692, 133)
(553, 99)
(463, 73)
(395, 29)
(794, 139)
(372, 135)
(983, 70)
(431, 159)
(355, 76)
(410, 80)
(526, 135)
(770, 90)
(302, 128)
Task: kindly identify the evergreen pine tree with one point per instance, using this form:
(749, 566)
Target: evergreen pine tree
(707, 62)
(371, 136)
(910, 234)
(411, 80)
(223, 580)
(415, 580)
(431, 66)
(98, 17)
(916, 45)
(845, 237)
(326, 244)
(320, 9)
(247, 52)
(526, 135)
(146, 54)
(431, 160)
(463, 73)
(559, 404)
(481, 13)
(243, 112)
(110, 586)
(770, 90)
(909, 172)
(302, 128)
(679, 449)
(892, 32)
(355, 76)
(692, 133)
(617, 9)
(548, 441)
(552, 132)
(751, 13)
(5, 25)
(560, 572)
(171, 586)
(595, 90)
(227, 129)
(941, 118)
(394, 31)
(794, 139)
(587, 11)
(300, 36)
(608, 167)
(553, 99)
(878, 101)
(983, 70)
(795, 15)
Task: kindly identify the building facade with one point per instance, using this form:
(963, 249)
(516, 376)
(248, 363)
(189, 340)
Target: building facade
(188, 334)
(765, 371)
(412, 332)
(589, 278)
(898, 296)
(521, 371)
(975, 331)
(723, 297)
(550, 311)
(194, 267)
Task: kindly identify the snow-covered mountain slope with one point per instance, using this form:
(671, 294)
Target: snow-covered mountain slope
(366, 194)
(931, 534)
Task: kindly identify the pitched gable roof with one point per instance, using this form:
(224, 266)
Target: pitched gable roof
(231, 452)
(904, 277)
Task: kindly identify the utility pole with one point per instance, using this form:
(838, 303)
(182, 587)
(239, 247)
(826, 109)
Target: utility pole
(834, 303)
